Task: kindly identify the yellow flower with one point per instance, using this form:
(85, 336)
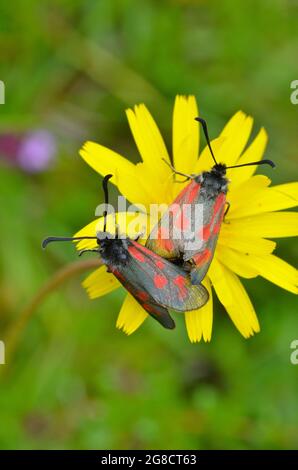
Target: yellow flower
(243, 248)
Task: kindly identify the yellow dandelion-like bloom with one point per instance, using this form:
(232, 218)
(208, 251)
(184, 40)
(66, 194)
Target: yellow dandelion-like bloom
(243, 248)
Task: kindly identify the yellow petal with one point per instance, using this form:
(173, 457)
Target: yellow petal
(234, 123)
(253, 153)
(235, 261)
(100, 283)
(236, 134)
(185, 134)
(106, 161)
(199, 322)
(87, 231)
(275, 270)
(244, 244)
(268, 225)
(129, 223)
(234, 298)
(161, 192)
(241, 195)
(279, 197)
(149, 141)
(156, 174)
(131, 315)
(193, 326)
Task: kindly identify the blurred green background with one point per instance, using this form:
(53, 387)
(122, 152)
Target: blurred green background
(71, 68)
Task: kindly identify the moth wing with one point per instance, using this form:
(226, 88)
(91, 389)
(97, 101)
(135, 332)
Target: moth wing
(168, 284)
(159, 313)
(156, 311)
(200, 251)
(167, 237)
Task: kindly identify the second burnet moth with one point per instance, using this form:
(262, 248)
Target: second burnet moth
(156, 283)
(194, 247)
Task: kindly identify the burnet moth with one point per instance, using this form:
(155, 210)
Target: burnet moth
(188, 244)
(157, 284)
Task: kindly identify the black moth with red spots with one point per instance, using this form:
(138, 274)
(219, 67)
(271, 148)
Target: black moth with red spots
(175, 235)
(155, 283)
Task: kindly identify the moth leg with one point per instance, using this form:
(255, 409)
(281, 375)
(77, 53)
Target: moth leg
(226, 211)
(188, 177)
(183, 181)
(95, 250)
(139, 235)
(188, 265)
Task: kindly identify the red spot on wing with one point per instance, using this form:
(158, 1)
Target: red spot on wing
(150, 309)
(218, 206)
(181, 196)
(174, 209)
(180, 282)
(189, 193)
(217, 226)
(163, 239)
(206, 232)
(194, 190)
(142, 296)
(201, 258)
(117, 273)
(218, 203)
(160, 264)
(160, 281)
(168, 245)
(135, 253)
(147, 307)
(162, 233)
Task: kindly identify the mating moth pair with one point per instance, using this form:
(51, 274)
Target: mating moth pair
(167, 273)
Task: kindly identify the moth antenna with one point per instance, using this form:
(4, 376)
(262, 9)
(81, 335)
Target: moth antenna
(117, 230)
(261, 162)
(48, 240)
(205, 130)
(106, 196)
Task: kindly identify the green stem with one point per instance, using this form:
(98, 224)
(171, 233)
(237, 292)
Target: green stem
(15, 332)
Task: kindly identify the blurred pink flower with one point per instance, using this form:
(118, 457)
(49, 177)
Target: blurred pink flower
(33, 152)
